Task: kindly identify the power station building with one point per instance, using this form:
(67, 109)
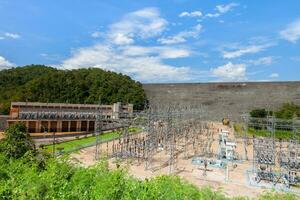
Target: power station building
(62, 117)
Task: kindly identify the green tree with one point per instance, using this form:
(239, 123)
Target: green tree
(259, 113)
(17, 141)
(288, 111)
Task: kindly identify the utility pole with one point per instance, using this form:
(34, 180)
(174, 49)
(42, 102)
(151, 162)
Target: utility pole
(98, 130)
(171, 134)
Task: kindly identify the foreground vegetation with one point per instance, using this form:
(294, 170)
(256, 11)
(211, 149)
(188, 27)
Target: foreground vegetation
(46, 84)
(29, 174)
(34, 178)
(26, 178)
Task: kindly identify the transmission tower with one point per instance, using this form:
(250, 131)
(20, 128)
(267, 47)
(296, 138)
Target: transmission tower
(98, 131)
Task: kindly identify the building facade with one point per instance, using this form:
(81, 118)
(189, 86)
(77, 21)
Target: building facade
(62, 117)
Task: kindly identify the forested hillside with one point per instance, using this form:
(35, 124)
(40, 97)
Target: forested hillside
(46, 84)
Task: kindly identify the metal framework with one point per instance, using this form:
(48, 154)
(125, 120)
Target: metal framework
(170, 129)
(276, 150)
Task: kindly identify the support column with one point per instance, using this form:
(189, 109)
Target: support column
(69, 125)
(59, 126)
(88, 126)
(130, 108)
(78, 126)
(27, 125)
(49, 126)
(116, 109)
(38, 126)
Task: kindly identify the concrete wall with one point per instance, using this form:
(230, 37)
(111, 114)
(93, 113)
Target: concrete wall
(226, 99)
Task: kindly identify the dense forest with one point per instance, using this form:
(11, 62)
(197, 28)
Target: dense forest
(46, 84)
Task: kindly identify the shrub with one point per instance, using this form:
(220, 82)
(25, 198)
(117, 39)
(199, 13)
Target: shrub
(288, 111)
(259, 113)
(17, 141)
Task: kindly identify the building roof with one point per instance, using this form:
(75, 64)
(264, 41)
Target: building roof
(36, 104)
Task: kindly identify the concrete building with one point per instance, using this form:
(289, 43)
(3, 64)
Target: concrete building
(62, 117)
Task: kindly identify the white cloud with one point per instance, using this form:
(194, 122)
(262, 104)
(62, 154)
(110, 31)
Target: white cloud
(134, 50)
(144, 64)
(226, 8)
(173, 52)
(122, 39)
(230, 72)
(182, 36)
(156, 51)
(97, 34)
(245, 50)
(176, 39)
(8, 35)
(4, 64)
(141, 24)
(221, 9)
(268, 60)
(274, 75)
(12, 35)
(212, 15)
(191, 14)
(291, 32)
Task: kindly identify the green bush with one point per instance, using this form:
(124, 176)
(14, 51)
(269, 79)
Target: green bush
(288, 111)
(259, 113)
(17, 141)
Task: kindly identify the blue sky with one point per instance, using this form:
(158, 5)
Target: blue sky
(156, 40)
